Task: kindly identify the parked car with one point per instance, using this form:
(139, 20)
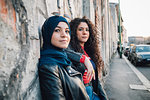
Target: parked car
(140, 54)
(126, 51)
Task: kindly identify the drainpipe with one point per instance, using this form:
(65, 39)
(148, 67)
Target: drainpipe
(120, 31)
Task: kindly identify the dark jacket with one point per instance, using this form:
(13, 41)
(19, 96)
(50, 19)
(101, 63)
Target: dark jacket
(61, 83)
(96, 84)
(75, 59)
(98, 88)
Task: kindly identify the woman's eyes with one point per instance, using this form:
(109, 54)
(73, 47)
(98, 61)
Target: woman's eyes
(81, 29)
(67, 31)
(57, 30)
(87, 29)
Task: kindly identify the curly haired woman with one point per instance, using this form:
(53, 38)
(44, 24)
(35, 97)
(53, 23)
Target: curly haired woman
(84, 40)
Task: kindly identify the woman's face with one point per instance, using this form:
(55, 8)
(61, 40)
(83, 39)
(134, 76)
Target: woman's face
(83, 33)
(61, 36)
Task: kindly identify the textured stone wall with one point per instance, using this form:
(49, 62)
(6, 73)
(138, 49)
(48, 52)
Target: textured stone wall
(19, 49)
(113, 26)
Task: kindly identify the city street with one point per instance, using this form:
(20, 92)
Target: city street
(125, 82)
(145, 70)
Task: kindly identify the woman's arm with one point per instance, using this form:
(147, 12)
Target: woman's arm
(80, 58)
(50, 83)
(74, 56)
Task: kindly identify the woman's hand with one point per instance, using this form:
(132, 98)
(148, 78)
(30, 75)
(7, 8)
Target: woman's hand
(90, 70)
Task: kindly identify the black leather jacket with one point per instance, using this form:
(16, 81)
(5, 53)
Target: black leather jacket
(61, 83)
(97, 87)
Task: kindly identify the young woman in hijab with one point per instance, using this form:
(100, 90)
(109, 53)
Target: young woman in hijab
(58, 81)
(84, 40)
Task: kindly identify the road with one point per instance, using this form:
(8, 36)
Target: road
(145, 70)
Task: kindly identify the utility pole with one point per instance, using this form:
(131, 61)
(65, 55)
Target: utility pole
(120, 31)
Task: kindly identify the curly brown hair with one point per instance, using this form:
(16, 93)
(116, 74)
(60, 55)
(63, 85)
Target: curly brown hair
(91, 46)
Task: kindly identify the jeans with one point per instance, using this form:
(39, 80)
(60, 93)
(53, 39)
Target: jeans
(91, 94)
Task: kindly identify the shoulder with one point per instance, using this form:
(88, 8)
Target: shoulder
(51, 68)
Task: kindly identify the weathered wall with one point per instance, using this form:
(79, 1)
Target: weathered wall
(19, 49)
(113, 27)
(105, 32)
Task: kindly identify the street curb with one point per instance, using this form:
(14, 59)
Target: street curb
(141, 77)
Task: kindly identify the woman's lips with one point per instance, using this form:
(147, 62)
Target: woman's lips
(84, 37)
(63, 41)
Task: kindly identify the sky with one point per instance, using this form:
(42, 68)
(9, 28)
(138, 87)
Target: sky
(136, 16)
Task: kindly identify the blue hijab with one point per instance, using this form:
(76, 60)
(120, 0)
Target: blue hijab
(49, 53)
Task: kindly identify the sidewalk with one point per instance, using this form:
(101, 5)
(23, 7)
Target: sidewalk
(118, 81)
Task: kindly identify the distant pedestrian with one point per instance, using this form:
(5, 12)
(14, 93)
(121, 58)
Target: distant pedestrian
(118, 49)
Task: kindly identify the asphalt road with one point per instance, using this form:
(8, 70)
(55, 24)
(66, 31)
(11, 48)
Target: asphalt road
(145, 70)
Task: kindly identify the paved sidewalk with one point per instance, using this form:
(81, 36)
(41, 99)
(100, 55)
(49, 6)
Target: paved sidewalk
(118, 81)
